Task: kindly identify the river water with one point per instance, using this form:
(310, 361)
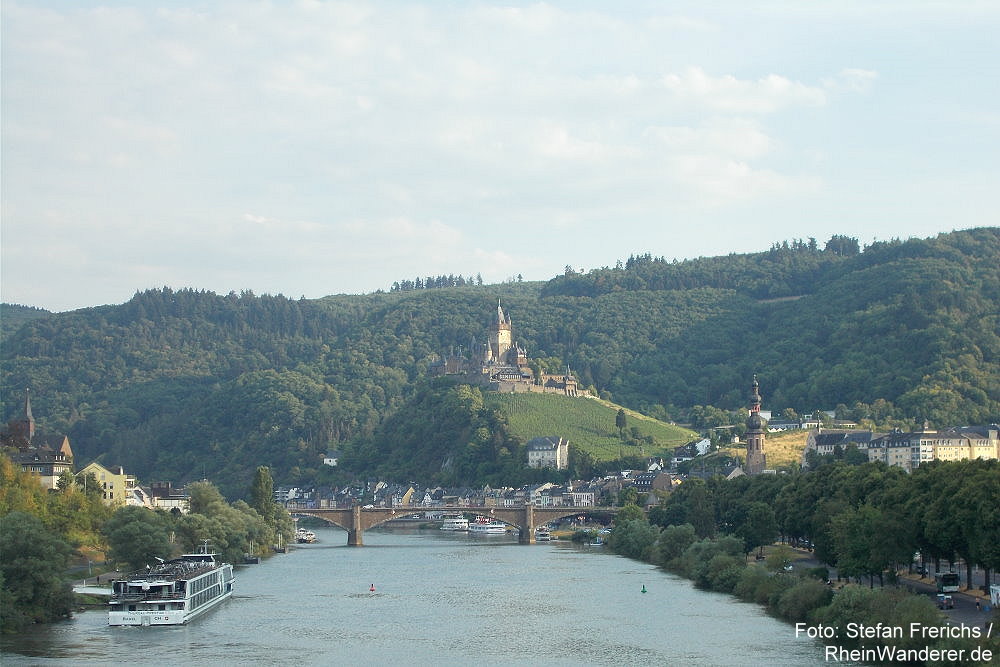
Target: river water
(440, 599)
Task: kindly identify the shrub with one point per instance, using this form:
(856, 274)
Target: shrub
(752, 579)
(634, 539)
(697, 556)
(798, 602)
(721, 573)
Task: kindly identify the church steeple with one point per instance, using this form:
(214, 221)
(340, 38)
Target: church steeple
(756, 459)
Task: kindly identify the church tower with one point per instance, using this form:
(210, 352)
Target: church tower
(756, 459)
(500, 336)
(19, 432)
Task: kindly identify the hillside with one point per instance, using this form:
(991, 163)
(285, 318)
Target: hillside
(13, 316)
(588, 424)
(187, 384)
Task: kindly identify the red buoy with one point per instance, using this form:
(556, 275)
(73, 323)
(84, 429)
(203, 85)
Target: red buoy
(372, 589)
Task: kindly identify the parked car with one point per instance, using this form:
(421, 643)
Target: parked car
(945, 601)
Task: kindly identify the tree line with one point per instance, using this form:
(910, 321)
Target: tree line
(436, 282)
(866, 520)
(184, 384)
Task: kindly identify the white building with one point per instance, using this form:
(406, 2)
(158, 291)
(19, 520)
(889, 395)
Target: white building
(548, 452)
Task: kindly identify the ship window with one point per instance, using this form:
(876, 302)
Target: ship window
(131, 607)
(162, 607)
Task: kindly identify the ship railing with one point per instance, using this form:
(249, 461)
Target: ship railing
(175, 573)
(146, 595)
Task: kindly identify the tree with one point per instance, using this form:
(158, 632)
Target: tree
(65, 481)
(759, 528)
(620, 422)
(673, 542)
(138, 536)
(629, 512)
(262, 494)
(89, 485)
(845, 246)
(628, 496)
(854, 456)
(867, 542)
(700, 512)
(33, 561)
(634, 538)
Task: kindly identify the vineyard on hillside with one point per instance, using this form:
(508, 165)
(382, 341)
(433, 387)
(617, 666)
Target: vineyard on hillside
(588, 424)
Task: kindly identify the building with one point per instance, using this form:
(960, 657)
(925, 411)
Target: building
(164, 496)
(911, 450)
(829, 442)
(756, 458)
(501, 364)
(45, 456)
(117, 487)
(582, 494)
(548, 452)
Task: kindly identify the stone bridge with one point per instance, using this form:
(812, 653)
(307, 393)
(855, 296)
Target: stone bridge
(356, 520)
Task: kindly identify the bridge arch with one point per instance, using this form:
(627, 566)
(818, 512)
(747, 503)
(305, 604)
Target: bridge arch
(525, 518)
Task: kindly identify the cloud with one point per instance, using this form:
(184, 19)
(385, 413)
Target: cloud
(353, 138)
(852, 80)
(729, 94)
(736, 138)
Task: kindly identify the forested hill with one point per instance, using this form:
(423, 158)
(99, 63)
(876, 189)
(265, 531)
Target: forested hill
(185, 384)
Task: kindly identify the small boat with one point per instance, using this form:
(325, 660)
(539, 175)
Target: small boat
(486, 526)
(542, 535)
(171, 593)
(454, 522)
(596, 542)
(303, 536)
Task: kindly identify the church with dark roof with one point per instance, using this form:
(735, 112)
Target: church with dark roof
(46, 456)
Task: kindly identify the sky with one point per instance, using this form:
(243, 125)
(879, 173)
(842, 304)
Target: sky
(312, 148)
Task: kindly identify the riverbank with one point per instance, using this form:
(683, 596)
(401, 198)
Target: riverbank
(843, 617)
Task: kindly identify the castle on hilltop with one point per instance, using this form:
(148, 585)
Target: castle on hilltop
(500, 364)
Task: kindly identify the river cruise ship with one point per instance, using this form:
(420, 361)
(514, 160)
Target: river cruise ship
(171, 593)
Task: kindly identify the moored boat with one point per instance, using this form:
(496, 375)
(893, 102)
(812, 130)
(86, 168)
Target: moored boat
(303, 536)
(171, 593)
(542, 535)
(486, 526)
(454, 522)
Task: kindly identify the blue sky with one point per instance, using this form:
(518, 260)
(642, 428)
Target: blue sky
(314, 148)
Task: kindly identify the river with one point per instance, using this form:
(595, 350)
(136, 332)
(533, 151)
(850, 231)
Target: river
(440, 599)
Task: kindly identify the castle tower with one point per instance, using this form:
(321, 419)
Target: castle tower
(500, 336)
(756, 459)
